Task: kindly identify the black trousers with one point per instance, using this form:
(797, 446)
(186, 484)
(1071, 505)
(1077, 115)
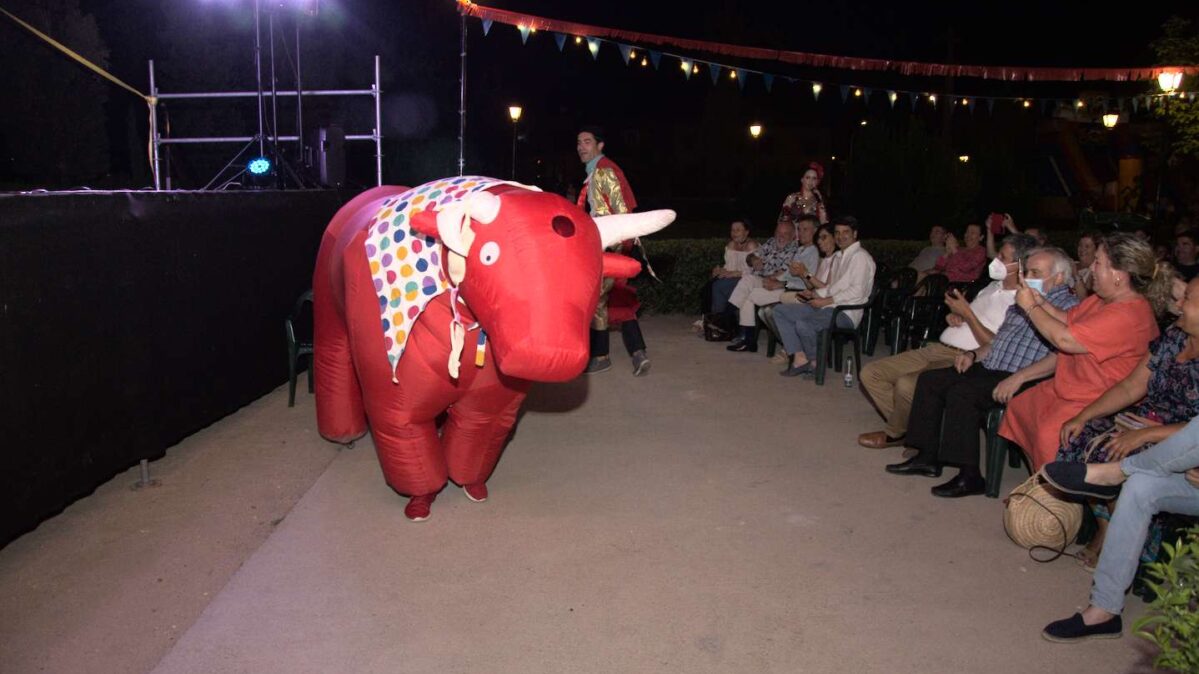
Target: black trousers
(630, 332)
(947, 409)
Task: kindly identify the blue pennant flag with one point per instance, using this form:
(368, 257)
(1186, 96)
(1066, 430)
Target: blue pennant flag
(970, 103)
(844, 93)
(714, 71)
(593, 46)
(768, 80)
(486, 27)
(991, 105)
(1136, 104)
(524, 34)
(625, 50)
(561, 40)
(655, 57)
(866, 93)
(740, 77)
(915, 99)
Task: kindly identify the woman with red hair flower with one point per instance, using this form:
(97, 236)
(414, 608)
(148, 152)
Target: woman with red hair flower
(808, 199)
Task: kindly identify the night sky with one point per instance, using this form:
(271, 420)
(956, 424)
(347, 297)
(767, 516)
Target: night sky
(675, 137)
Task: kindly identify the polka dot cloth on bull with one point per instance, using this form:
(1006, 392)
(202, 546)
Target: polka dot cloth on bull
(406, 266)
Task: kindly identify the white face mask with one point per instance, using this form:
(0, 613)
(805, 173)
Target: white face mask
(997, 269)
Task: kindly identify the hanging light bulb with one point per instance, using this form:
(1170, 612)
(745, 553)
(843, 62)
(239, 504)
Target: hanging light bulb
(695, 69)
(857, 93)
(755, 130)
(932, 98)
(893, 96)
(1079, 104)
(1027, 103)
(732, 74)
(632, 54)
(1110, 120)
(578, 40)
(644, 61)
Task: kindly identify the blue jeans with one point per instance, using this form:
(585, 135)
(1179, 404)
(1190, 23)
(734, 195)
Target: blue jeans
(800, 326)
(722, 288)
(1155, 484)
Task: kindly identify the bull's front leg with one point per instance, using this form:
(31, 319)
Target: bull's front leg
(479, 424)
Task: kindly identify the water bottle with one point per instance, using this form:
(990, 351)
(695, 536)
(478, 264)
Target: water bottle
(849, 372)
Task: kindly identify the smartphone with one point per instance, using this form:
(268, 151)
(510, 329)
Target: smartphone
(995, 221)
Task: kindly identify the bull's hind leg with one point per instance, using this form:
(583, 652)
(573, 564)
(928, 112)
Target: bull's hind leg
(478, 426)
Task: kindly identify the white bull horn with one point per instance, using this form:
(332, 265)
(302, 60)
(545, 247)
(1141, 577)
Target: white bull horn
(616, 228)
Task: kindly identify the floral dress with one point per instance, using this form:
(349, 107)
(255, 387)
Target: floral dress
(1172, 397)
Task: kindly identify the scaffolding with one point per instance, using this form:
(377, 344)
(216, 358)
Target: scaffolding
(157, 140)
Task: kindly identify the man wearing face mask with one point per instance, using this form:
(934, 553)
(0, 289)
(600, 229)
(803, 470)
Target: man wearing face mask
(891, 382)
(961, 395)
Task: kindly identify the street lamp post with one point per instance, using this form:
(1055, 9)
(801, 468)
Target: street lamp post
(514, 112)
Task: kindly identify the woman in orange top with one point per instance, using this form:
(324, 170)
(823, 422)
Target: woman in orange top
(1099, 343)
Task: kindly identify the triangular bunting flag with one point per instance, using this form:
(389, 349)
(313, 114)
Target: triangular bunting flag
(714, 71)
(486, 27)
(866, 93)
(687, 66)
(768, 80)
(655, 57)
(593, 47)
(625, 50)
(915, 99)
(892, 97)
(524, 34)
(1148, 102)
(740, 77)
(970, 103)
(560, 38)
(844, 93)
(1136, 104)
(990, 105)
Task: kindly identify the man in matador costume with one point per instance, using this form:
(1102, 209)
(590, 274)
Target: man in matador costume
(606, 191)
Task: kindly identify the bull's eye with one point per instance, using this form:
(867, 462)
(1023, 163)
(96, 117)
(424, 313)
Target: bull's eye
(489, 253)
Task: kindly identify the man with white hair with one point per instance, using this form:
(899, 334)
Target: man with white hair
(950, 403)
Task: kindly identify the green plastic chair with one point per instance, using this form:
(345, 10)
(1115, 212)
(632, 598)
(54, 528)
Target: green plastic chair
(297, 348)
(997, 449)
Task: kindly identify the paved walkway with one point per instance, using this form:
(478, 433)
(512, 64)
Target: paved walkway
(711, 517)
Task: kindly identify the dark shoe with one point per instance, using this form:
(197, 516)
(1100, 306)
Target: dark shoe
(742, 345)
(915, 466)
(640, 363)
(598, 364)
(793, 371)
(1072, 479)
(879, 440)
(1074, 629)
(960, 486)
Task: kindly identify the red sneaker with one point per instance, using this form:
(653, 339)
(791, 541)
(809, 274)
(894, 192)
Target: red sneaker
(417, 509)
(476, 492)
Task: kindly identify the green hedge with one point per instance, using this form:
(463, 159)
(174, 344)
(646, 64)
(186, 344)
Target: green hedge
(685, 265)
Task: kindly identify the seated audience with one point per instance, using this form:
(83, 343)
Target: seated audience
(963, 263)
(826, 245)
(806, 255)
(1163, 478)
(950, 403)
(1161, 395)
(927, 258)
(890, 382)
(1185, 254)
(768, 262)
(1087, 243)
(715, 295)
(1099, 342)
(851, 279)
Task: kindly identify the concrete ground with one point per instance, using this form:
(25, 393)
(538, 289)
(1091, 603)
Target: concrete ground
(711, 517)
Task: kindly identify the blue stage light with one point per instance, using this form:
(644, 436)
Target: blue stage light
(259, 166)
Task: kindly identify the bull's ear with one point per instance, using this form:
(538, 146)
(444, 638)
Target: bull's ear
(425, 222)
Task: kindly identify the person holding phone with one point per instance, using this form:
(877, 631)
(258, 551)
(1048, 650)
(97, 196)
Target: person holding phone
(963, 262)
